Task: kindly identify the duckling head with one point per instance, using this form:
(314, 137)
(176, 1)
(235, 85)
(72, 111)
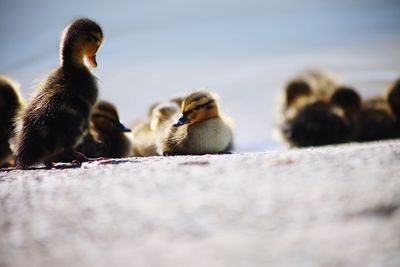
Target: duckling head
(163, 112)
(105, 118)
(80, 40)
(295, 90)
(198, 106)
(348, 99)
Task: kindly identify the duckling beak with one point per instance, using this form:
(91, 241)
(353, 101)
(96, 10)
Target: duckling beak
(182, 120)
(92, 60)
(122, 128)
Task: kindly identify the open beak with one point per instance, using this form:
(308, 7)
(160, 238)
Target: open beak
(92, 60)
(182, 120)
(122, 128)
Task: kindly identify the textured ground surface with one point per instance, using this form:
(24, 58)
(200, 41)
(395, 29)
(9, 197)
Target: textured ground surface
(332, 206)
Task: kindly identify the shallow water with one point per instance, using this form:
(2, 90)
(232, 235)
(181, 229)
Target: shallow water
(245, 51)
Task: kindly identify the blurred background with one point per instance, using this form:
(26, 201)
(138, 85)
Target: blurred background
(244, 50)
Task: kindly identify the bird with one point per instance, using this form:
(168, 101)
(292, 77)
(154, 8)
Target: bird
(350, 101)
(316, 124)
(308, 117)
(392, 95)
(377, 121)
(201, 128)
(147, 134)
(109, 133)
(305, 88)
(11, 102)
(56, 118)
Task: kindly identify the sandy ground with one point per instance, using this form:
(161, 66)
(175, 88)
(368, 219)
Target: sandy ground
(328, 206)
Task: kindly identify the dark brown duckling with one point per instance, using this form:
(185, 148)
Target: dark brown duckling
(349, 100)
(57, 117)
(316, 124)
(11, 102)
(114, 143)
(393, 98)
(376, 121)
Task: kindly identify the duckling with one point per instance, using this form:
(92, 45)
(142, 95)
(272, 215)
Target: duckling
(11, 102)
(393, 98)
(323, 82)
(201, 129)
(57, 117)
(316, 124)
(376, 121)
(306, 88)
(114, 143)
(146, 135)
(349, 100)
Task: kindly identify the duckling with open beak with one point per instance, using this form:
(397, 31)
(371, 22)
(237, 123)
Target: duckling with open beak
(56, 119)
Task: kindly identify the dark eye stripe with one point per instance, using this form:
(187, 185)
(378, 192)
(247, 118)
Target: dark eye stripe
(208, 103)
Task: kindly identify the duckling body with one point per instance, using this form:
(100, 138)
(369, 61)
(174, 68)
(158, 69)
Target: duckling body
(208, 137)
(57, 117)
(10, 104)
(201, 128)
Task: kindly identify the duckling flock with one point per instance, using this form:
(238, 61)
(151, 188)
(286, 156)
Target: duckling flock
(65, 122)
(317, 110)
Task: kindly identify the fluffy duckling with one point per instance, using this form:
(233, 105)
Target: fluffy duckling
(10, 103)
(316, 83)
(109, 130)
(393, 98)
(201, 129)
(57, 117)
(350, 102)
(147, 135)
(304, 89)
(376, 121)
(309, 117)
(316, 124)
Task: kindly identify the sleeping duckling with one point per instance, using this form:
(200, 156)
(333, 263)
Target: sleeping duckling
(147, 135)
(10, 103)
(57, 117)
(201, 129)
